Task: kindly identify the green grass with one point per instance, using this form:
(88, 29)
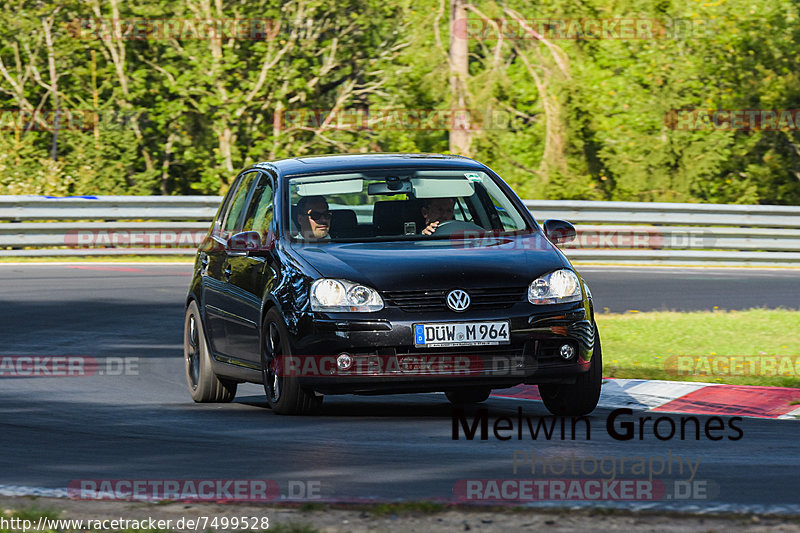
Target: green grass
(402, 508)
(292, 528)
(32, 513)
(650, 345)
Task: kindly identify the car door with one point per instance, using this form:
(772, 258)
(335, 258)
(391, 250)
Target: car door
(250, 275)
(216, 281)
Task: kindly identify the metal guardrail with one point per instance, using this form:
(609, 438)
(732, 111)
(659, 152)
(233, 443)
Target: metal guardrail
(678, 233)
(577, 212)
(617, 232)
(22, 208)
(103, 225)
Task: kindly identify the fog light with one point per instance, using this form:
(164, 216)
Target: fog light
(567, 351)
(344, 361)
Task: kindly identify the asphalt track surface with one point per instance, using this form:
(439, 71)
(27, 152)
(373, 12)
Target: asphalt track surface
(142, 425)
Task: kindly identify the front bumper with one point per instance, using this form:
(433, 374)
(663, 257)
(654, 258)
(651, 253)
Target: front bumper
(385, 359)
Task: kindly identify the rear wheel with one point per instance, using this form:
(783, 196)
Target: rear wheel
(581, 397)
(203, 383)
(462, 397)
(284, 394)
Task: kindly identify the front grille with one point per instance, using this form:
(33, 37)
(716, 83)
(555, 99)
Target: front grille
(434, 300)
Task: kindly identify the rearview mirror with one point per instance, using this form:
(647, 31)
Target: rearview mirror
(392, 185)
(559, 231)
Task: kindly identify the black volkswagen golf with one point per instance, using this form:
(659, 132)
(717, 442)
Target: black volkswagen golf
(381, 274)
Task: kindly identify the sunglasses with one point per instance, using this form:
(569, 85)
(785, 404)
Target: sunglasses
(319, 215)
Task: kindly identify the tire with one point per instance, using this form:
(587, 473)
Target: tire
(581, 397)
(203, 383)
(463, 397)
(284, 394)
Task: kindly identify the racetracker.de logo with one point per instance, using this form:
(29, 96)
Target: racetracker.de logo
(590, 29)
(371, 365)
(48, 120)
(733, 365)
(187, 490)
(733, 119)
(26, 366)
(590, 238)
(519, 490)
(350, 365)
(135, 238)
(558, 489)
(145, 29)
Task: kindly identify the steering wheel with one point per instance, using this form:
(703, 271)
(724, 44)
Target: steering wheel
(449, 227)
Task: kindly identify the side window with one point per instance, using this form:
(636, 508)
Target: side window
(238, 204)
(223, 210)
(259, 213)
(459, 213)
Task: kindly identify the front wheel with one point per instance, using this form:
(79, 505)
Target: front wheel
(579, 398)
(284, 394)
(203, 383)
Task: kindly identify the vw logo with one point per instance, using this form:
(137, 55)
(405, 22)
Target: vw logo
(458, 300)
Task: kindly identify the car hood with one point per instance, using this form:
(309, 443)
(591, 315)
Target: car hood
(424, 264)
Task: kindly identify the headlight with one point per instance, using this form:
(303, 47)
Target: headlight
(342, 295)
(556, 287)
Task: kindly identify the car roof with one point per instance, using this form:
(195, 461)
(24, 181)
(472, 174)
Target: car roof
(339, 162)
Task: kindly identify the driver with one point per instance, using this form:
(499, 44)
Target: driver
(314, 218)
(436, 211)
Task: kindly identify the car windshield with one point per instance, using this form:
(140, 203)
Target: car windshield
(400, 205)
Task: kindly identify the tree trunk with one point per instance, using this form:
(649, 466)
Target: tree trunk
(51, 67)
(460, 135)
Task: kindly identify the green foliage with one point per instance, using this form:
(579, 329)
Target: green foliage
(568, 119)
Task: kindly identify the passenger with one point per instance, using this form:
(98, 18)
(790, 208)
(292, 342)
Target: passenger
(314, 218)
(436, 211)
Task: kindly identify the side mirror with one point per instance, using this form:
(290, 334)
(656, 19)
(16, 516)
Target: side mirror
(246, 241)
(559, 231)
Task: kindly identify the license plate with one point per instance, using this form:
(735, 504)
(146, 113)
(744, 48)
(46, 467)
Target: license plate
(461, 334)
